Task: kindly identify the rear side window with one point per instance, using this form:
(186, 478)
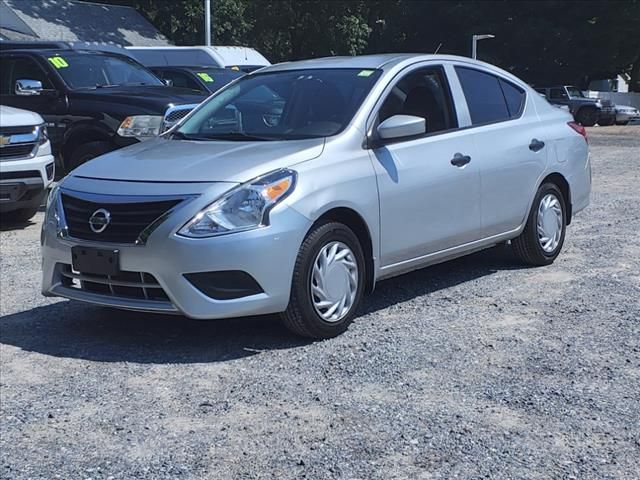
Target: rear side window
(489, 98)
(514, 96)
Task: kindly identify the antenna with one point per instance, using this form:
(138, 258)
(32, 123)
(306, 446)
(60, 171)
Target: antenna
(438, 49)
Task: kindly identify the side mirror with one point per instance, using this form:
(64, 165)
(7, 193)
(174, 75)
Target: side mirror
(168, 82)
(401, 126)
(28, 87)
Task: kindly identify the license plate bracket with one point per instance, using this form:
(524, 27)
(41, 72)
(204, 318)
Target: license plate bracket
(95, 261)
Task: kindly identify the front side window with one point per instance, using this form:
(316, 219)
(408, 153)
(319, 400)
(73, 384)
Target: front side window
(484, 96)
(283, 105)
(423, 93)
(96, 70)
(574, 92)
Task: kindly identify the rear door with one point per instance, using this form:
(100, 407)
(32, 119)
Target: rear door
(510, 144)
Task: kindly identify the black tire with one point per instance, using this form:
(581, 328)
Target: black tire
(301, 316)
(527, 246)
(623, 123)
(86, 152)
(587, 116)
(606, 122)
(20, 216)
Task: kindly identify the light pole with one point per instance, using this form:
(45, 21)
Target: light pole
(207, 23)
(474, 43)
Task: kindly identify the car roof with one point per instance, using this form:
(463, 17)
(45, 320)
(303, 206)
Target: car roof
(194, 67)
(60, 51)
(379, 61)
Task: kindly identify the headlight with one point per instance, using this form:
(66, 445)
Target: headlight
(43, 134)
(243, 208)
(140, 126)
(53, 211)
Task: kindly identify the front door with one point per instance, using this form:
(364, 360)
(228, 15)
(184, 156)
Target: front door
(429, 198)
(50, 104)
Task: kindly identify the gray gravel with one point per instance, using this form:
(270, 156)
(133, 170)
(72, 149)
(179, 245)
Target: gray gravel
(475, 368)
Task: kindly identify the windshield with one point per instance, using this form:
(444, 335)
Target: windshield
(83, 70)
(216, 78)
(574, 92)
(284, 105)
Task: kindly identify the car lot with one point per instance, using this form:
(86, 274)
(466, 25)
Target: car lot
(473, 368)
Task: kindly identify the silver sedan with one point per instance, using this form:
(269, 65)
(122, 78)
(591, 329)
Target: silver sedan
(295, 189)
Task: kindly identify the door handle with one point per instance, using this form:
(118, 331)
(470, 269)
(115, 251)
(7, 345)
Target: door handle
(536, 145)
(460, 160)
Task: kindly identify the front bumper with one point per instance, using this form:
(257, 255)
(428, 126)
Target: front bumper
(267, 254)
(24, 181)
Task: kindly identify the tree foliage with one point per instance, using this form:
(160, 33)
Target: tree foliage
(542, 41)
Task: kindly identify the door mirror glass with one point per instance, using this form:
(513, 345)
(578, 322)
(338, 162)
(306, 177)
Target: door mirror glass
(402, 126)
(28, 87)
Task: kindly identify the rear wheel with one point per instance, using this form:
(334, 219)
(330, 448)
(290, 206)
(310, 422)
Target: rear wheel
(87, 152)
(328, 282)
(543, 236)
(587, 116)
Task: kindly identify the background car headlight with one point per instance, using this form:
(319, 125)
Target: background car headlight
(52, 214)
(43, 134)
(243, 208)
(141, 126)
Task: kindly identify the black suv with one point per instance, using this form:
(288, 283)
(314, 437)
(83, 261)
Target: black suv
(586, 111)
(92, 101)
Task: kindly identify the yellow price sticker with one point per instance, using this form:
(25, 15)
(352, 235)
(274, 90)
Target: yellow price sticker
(58, 62)
(205, 77)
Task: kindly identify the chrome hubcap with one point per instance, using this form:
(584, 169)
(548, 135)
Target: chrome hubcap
(549, 223)
(334, 281)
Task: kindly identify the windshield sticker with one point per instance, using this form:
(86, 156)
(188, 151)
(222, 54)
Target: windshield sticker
(58, 62)
(365, 73)
(205, 77)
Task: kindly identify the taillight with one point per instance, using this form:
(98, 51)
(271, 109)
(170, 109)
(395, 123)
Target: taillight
(580, 129)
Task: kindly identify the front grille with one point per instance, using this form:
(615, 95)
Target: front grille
(132, 285)
(19, 150)
(19, 175)
(18, 142)
(174, 114)
(128, 220)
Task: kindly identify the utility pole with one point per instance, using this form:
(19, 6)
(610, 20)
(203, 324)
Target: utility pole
(207, 23)
(474, 43)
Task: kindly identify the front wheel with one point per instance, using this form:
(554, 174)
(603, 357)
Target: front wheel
(543, 236)
(328, 282)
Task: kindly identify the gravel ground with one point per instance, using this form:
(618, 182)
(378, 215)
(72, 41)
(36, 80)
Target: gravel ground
(474, 368)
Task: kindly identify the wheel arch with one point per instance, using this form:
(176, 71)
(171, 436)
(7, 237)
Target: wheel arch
(561, 182)
(82, 134)
(358, 225)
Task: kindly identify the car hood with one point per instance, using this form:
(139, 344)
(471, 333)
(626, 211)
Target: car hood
(16, 117)
(164, 160)
(148, 98)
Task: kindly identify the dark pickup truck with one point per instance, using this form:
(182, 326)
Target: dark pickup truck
(92, 102)
(586, 111)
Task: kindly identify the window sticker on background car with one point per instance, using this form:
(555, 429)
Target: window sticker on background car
(205, 77)
(365, 73)
(58, 62)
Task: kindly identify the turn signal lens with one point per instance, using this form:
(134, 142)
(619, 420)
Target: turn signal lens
(276, 190)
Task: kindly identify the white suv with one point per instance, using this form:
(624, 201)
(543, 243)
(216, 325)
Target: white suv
(26, 163)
